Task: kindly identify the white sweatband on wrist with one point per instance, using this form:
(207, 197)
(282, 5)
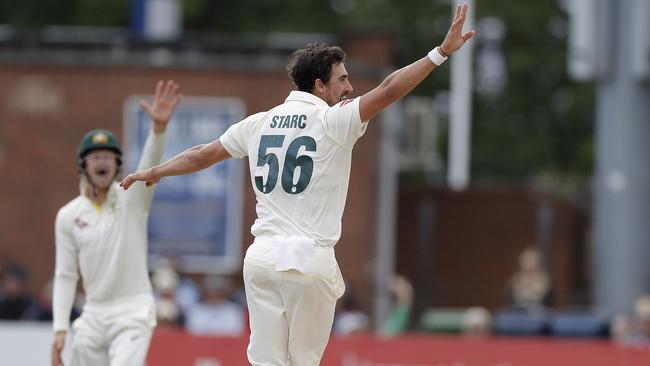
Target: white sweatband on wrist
(436, 56)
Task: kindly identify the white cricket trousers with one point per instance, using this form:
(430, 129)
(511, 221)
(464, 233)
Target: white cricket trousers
(115, 334)
(290, 312)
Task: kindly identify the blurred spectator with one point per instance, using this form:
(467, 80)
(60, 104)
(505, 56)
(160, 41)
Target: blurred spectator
(165, 284)
(350, 322)
(477, 321)
(348, 318)
(642, 314)
(188, 292)
(634, 329)
(42, 309)
(238, 292)
(530, 285)
(15, 299)
(621, 329)
(399, 316)
(216, 314)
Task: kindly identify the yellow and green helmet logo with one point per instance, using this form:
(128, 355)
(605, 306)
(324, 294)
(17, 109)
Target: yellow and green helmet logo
(98, 139)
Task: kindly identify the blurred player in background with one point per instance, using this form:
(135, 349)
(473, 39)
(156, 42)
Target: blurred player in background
(300, 158)
(102, 234)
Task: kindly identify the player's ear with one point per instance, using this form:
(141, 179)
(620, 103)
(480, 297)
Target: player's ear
(319, 86)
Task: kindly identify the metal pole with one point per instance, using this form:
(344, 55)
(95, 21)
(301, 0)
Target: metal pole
(461, 108)
(621, 269)
(387, 210)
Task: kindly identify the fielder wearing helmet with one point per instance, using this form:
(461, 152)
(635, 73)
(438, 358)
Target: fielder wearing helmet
(99, 158)
(101, 239)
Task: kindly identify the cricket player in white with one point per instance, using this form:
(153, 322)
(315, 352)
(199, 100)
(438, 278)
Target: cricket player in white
(300, 157)
(102, 234)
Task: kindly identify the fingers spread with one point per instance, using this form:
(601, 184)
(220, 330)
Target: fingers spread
(177, 99)
(458, 24)
(159, 89)
(167, 90)
(463, 12)
(459, 19)
(468, 35)
(170, 89)
(145, 105)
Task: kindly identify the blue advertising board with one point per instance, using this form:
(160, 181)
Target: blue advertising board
(195, 218)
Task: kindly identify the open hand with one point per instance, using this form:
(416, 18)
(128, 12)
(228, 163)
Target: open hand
(455, 39)
(164, 104)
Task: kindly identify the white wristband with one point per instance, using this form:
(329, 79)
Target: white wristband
(436, 56)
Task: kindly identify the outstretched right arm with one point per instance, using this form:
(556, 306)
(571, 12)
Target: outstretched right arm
(189, 161)
(402, 81)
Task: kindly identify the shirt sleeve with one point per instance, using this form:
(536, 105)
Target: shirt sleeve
(343, 122)
(140, 196)
(65, 273)
(237, 137)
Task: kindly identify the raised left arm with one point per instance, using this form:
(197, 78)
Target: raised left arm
(401, 82)
(166, 98)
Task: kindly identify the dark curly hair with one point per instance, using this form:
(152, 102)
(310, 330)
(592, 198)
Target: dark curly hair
(313, 62)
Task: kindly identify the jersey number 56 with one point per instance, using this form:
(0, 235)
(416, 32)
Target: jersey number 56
(291, 161)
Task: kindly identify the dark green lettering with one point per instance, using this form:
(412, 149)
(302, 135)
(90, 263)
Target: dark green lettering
(292, 160)
(263, 158)
(302, 121)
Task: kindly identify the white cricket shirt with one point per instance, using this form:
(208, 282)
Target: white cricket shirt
(107, 246)
(300, 154)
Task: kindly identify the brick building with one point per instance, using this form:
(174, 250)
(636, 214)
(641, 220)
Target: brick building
(58, 86)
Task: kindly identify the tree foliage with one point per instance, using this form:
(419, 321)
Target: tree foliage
(542, 123)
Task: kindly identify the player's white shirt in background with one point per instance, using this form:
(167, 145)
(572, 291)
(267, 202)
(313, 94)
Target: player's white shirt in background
(108, 246)
(300, 155)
